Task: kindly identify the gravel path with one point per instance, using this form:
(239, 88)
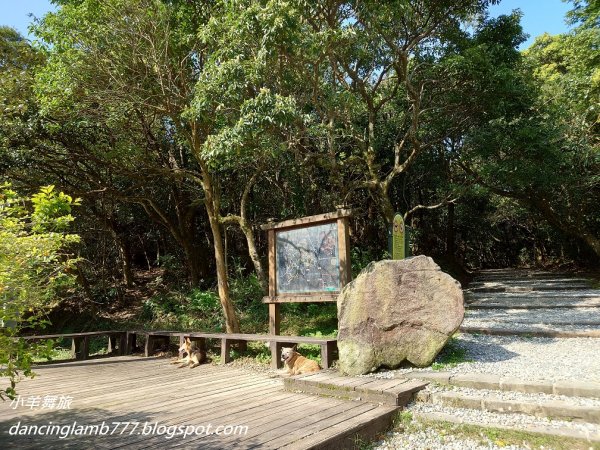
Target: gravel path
(487, 418)
(559, 316)
(420, 436)
(427, 439)
(537, 295)
(535, 359)
(538, 398)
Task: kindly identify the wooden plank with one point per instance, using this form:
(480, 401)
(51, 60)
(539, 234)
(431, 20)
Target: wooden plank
(196, 408)
(151, 382)
(255, 337)
(387, 385)
(186, 415)
(409, 386)
(342, 434)
(272, 264)
(353, 382)
(71, 335)
(134, 395)
(214, 394)
(263, 421)
(270, 434)
(344, 251)
(292, 223)
(253, 400)
(317, 297)
(316, 422)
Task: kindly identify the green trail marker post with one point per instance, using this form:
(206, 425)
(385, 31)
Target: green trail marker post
(398, 238)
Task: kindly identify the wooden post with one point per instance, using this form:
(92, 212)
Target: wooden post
(328, 351)
(274, 313)
(274, 318)
(131, 343)
(112, 343)
(75, 345)
(200, 343)
(272, 263)
(85, 347)
(274, 324)
(123, 343)
(225, 347)
(344, 250)
(181, 342)
(149, 348)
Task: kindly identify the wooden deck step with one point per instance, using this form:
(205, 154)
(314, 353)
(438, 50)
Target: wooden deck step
(393, 392)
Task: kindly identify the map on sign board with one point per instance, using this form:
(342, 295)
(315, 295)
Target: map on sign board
(308, 259)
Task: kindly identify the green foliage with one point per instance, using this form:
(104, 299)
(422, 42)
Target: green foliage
(450, 356)
(361, 258)
(198, 309)
(195, 310)
(34, 266)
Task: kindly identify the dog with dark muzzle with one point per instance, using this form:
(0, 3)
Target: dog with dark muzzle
(194, 356)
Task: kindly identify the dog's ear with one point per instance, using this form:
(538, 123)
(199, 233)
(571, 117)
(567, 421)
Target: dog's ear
(188, 340)
(295, 348)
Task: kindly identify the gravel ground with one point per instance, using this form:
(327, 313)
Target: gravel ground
(531, 326)
(487, 418)
(535, 359)
(537, 295)
(537, 398)
(559, 316)
(427, 439)
(424, 437)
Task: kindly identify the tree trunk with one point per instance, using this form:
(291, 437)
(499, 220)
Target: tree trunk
(191, 260)
(450, 232)
(231, 322)
(554, 219)
(124, 254)
(258, 267)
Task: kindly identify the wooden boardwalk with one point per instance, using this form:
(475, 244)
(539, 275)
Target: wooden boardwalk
(150, 391)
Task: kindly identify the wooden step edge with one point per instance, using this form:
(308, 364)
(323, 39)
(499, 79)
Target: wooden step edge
(399, 395)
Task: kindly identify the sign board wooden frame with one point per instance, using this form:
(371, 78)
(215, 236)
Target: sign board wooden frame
(274, 299)
(340, 218)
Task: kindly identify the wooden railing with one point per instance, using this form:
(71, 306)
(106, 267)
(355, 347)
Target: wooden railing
(125, 342)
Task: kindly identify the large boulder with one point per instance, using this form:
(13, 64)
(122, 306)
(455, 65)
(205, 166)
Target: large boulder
(395, 311)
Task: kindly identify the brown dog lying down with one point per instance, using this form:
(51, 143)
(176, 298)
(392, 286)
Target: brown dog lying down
(297, 364)
(194, 356)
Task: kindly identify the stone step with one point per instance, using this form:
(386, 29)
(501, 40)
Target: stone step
(544, 317)
(531, 332)
(392, 392)
(518, 275)
(532, 306)
(492, 288)
(528, 282)
(556, 409)
(510, 384)
(552, 431)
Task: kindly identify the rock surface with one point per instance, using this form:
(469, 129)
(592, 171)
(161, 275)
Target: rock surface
(396, 311)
